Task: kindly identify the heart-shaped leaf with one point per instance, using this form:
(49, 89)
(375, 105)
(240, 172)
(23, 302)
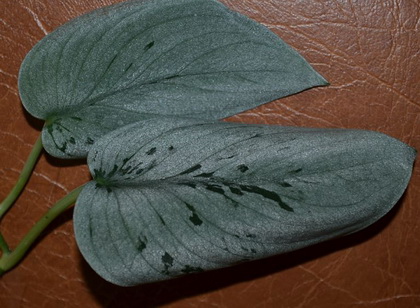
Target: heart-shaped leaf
(139, 59)
(176, 196)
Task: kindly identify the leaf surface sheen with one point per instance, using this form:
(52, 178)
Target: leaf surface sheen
(140, 59)
(176, 196)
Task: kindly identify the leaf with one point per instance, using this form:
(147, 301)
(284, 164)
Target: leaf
(139, 59)
(175, 196)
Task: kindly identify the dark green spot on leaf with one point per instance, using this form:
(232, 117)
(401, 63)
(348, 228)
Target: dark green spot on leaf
(243, 168)
(218, 189)
(192, 185)
(188, 269)
(236, 191)
(266, 194)
(171, 77)
(296, 171)
(194, 218)
(204, 175)
(142, 243)
(190, 170)
(148, 46)
(228, 157)
(151, 151)
(167, 260)
(215, 188)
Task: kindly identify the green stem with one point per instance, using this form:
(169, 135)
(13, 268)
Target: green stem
(23, 178)
(4, 248)
(9, 260)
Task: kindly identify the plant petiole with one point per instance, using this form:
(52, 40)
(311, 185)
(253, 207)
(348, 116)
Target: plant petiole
(23, 178)
(4, 248)
(10, 258)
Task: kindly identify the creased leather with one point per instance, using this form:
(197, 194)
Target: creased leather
(368, 50)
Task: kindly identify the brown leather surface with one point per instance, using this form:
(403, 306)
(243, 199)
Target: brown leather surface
(368, 50)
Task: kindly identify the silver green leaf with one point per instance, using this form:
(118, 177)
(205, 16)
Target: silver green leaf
(139, 59)
(176, 196)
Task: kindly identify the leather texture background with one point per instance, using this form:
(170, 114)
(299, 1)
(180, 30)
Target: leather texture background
(368, 50)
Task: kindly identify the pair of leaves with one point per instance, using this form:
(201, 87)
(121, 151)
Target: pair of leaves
(141, 59)
(176, 196)
(172, 196)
